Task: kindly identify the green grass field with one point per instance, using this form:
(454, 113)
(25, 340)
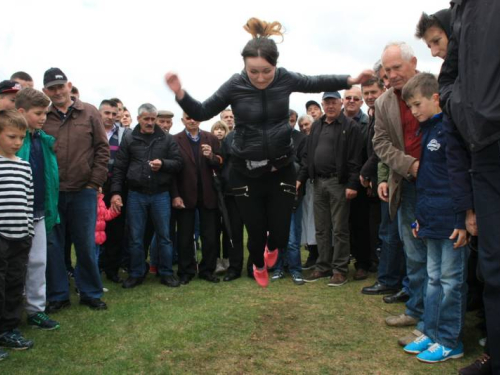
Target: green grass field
(229, 328)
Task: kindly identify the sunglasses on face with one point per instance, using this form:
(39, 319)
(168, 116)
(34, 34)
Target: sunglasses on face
(352, 98)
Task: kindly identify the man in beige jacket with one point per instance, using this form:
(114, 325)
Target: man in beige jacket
(397, 142)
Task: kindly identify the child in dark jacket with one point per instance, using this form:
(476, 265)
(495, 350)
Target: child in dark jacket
(441, 227)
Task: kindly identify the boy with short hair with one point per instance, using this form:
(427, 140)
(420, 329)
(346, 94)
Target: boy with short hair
(441, 227)
(37, 149)
(8, 91)
(16, 229)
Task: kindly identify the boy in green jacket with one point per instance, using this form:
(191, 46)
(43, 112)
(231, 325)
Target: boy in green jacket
(38, 150)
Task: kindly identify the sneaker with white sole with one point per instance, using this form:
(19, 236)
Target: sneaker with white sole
(277, 274)
(439, 353)
(297, 278)
(418, 345)
(14, 340)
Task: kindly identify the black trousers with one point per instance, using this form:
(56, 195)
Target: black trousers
(486, 190)
(185, 238)
(266, 205)
(359, 223)
(235, 252)
(115, 232)
(13, 263)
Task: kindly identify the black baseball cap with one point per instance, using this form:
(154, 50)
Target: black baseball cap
(54, 76)
(331, 94)
(9, 87)
(312, 102)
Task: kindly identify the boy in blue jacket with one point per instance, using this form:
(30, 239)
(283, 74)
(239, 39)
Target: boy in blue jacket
(441, 227)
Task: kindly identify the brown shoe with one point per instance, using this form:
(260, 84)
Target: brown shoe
(405, 340)
(316, 275)
(337, 279)
(360, 274)
(402, 320)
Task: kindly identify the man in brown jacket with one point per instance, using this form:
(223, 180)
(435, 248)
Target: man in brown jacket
(397, 142)
(82, 154)
(194, 190)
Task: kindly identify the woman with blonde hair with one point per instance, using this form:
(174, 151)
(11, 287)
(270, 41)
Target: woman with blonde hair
(263, 175)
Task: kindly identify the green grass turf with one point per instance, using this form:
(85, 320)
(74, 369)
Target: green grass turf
(229, 328)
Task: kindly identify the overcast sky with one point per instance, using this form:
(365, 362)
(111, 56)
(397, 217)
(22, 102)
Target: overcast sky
(124, 48)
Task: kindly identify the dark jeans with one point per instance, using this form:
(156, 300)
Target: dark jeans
(13, 261)
(292, 252)
(392, 265)
(186, 219)
(77, 211)
(139, 208)
(265, 204)
(486, 189)
(235, 252)
(359, 225)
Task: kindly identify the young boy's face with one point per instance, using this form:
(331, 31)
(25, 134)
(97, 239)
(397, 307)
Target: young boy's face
(8, 101)
(423, 108)
(11, 140)
(36, 116)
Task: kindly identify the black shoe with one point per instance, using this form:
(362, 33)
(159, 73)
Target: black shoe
(231, 276)
(482, 366)
(94, 303)
(170, 281)
(132, 282)
(400, 296)
(185, 279)
(210, 278)
(55, 306)
(378, 288)
(114, 278)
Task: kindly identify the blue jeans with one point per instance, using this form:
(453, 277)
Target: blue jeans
(392, 265)
(139, 206)
(292, 251)
(446, 297)
(77, 211)
(416, 254)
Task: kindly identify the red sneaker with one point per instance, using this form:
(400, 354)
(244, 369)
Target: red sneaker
(270, 257)
(261, 276)
(153, 269)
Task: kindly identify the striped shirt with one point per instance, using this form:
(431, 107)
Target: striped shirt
(16, 199)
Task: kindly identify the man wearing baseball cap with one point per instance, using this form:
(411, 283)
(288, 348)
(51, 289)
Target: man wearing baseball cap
(313, 109)
(82, 152)
(333, 161)
(8, 92)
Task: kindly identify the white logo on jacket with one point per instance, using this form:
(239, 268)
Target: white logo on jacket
(434, 145)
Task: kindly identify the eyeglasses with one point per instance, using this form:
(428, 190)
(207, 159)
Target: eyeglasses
(352, 98)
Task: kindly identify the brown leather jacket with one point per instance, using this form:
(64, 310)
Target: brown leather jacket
(81, 146)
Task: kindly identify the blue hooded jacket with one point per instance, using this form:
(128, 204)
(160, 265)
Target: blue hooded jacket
(434, 212)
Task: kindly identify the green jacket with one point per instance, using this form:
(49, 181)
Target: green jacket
(51, 175)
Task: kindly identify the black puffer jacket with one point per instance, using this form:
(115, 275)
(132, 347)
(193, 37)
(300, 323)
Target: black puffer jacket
(262, 130)
(132, 162)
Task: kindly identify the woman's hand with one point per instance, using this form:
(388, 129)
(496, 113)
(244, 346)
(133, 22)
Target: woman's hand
(362, 78)
(174, 83)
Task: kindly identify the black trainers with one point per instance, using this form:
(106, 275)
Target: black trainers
(14, 340)
(56, 306)
(3, 354)
(170, 281)
(42, 321)
(94, 303)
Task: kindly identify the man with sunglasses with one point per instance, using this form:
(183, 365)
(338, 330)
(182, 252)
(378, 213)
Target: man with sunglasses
(359, 218)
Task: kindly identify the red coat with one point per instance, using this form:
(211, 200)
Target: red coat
(103, 214)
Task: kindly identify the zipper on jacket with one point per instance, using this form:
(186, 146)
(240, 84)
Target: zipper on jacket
(264, 125)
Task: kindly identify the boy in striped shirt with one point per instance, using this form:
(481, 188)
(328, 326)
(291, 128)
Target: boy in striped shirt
(16, 229)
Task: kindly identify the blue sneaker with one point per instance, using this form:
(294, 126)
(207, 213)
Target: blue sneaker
(3, 355)
(420, 344)
(439, 353)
